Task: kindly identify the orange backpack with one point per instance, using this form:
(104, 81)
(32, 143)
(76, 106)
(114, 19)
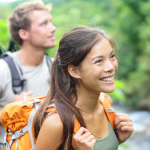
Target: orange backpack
(17, 119)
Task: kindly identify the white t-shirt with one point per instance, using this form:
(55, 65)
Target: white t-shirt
(38, 81)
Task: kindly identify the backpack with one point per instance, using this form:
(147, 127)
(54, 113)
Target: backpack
(17, 119)
(18, 80)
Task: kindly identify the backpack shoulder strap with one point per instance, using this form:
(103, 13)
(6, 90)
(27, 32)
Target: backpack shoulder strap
(11, 47)
(17, 82)
(49, 62)
(110, 112)
(76, 125)
(2, 51)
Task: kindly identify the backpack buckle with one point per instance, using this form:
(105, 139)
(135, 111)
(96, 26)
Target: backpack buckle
(36, 103)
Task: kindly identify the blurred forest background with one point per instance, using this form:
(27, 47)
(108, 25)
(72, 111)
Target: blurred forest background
(127, 21)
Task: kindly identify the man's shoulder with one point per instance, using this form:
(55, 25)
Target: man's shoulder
(5, 74)
(4, 65)
(6, 61)
(4, 70)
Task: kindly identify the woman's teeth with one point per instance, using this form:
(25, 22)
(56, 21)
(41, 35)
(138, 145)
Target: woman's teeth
(107, 79)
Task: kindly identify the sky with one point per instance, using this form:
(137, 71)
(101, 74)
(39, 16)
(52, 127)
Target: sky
(7, 0)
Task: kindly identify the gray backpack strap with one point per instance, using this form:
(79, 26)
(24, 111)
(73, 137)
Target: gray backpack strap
(14, 136)
(36, 102)
(18, 81)
(49, 61)
(30, 121)
(51, 105)
(49, 64)
(5, 141)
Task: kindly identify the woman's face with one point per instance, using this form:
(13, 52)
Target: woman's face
(98, 69)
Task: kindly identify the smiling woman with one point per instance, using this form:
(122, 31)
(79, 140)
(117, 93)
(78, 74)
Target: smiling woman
(84, 67)
(99, 68)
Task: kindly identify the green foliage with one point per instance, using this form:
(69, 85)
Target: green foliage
(127, 147)
(118, 93)
(5, 11)
(4, 35)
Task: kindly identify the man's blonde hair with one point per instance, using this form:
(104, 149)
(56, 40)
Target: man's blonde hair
(20, 18)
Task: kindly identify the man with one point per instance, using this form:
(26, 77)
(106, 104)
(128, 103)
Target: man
(30, 27)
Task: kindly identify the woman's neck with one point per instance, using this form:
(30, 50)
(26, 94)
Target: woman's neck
(87, 102)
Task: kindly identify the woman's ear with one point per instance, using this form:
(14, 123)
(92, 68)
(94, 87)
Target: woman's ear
(73, 71)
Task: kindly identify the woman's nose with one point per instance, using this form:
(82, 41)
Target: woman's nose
(109, 67)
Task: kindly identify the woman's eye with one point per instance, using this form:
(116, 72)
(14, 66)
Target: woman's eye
(113, 56)
(44, 23)
(98, 61)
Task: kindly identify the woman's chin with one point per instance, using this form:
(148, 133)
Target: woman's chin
(109, 90)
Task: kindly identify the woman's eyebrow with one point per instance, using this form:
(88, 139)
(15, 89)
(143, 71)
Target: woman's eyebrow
(112, 51)
(97, 57)
(101, 56)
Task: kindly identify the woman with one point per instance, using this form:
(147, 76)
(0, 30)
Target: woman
(84, 67)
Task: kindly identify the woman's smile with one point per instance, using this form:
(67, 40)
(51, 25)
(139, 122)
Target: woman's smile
(108, 79)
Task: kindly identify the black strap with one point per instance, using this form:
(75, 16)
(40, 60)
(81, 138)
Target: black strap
(11, 47)
(17, 82)
(2, 50)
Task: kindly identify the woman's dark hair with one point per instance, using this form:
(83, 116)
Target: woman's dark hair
(73, 48)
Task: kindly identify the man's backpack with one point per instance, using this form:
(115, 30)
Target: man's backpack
(17, 119)
(18, 80)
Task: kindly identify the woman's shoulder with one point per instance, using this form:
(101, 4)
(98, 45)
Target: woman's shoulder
(53, 121)
(50, 133)
(108, 98)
